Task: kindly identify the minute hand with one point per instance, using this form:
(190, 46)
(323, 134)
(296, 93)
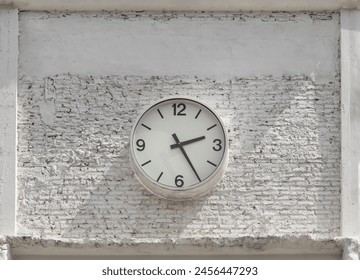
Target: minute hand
(187, 142)
(185, 155)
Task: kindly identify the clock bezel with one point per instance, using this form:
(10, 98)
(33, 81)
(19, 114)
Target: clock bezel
(179, 194)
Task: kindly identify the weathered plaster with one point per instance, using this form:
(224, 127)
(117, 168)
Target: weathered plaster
(351, 248)
(5, 253)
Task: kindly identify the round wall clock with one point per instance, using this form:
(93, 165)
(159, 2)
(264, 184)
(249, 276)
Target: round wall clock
(179, 148)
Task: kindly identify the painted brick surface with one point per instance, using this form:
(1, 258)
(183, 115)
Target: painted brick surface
(75, 181)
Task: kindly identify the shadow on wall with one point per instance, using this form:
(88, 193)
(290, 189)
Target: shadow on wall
(121, 209)
(75, 179)
(287, 150)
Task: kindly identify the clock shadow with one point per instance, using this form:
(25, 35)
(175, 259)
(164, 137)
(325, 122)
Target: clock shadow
(284, 157)
(119, 208)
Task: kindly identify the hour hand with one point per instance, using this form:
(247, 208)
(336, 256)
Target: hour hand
(187, 142)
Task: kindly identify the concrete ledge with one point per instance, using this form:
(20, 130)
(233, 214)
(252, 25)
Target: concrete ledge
(184, 5)
(287, 247)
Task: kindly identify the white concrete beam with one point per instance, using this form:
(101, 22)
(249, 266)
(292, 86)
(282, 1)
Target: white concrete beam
(181, 46)
(183, 5)
(8, 86)
(350, 122)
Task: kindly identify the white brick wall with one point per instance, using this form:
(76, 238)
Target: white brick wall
(274, 78)
(74, 178)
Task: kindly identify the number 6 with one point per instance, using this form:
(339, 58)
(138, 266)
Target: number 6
(179, 182)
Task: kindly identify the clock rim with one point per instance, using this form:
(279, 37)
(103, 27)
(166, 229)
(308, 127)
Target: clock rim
(196, 190)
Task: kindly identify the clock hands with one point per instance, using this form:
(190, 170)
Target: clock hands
(180, 145)
(173, 146)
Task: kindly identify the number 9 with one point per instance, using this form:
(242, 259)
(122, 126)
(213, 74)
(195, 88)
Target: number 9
(141, 145)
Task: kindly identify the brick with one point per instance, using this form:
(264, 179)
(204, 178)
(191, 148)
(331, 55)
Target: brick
(283, 175)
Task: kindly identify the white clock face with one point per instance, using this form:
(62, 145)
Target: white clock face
(179, 148)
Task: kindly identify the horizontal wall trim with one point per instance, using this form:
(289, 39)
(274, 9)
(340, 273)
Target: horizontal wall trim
(184, 5)
(246, 247)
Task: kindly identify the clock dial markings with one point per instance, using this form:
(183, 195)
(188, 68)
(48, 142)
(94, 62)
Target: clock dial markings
(185, 155)
(146, 126)
(145, 163)
(213, 164)
(161, 115)
(211, 127)
(197, 115)
(159, 176)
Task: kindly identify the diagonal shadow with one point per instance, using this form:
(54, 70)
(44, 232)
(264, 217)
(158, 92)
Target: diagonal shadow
(75, 179)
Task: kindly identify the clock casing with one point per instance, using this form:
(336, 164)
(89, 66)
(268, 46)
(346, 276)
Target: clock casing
(179, 148)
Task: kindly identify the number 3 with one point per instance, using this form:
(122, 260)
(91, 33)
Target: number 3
(218, 146)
